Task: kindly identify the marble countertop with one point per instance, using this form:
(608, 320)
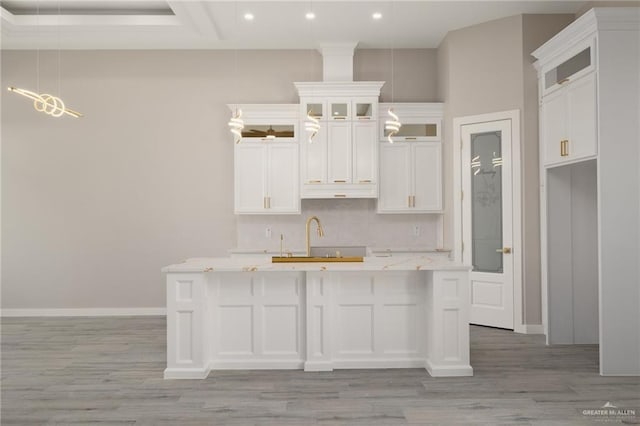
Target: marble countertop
(263, 263)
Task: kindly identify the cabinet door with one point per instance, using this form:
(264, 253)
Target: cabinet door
(582, 117)
(427, 176)
(314, 156)
(283, 193)
(394, 188)
(364, 152)
(553, 114)
(339, 152)
(250, 178)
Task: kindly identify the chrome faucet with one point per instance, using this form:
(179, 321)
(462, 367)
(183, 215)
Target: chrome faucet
(320, 232)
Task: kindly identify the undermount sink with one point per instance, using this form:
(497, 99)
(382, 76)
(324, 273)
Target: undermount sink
(304, 259)
(327, 254)
(338, 251)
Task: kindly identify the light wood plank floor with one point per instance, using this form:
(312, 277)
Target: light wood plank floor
(106, 371)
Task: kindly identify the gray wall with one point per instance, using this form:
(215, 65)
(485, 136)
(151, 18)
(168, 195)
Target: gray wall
(487, 68)
(93, 208)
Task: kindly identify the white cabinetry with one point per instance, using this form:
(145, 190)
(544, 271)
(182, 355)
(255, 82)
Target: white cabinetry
(266, 178)
(569, 114)
(411, 167)
(266, 171)
(342, 159)
(590, 187)
(410, 177)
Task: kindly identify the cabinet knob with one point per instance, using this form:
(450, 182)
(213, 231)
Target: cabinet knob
(504, 250)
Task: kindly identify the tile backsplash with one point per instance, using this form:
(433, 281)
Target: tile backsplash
(345, 222)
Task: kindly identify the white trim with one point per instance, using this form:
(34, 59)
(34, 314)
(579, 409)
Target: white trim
(83, 312)
(186, 373)
(530, 329)
(448, 370)
(256, 364)
(458, 122)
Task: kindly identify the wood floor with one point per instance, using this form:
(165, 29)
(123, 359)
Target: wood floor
(106, 371)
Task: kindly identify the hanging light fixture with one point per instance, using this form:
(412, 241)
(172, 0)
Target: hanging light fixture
(44, 102)
(236, 123)
(392, 125)
(311, 124)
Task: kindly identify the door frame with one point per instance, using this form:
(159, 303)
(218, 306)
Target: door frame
(514, 116)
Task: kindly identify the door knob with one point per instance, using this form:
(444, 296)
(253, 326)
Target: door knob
(505, 250)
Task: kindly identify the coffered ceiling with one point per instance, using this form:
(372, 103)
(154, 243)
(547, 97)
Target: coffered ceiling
(172, 24)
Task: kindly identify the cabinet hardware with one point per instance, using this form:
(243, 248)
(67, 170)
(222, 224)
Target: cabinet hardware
(264, 203)
(268, 202)
(340, 195)
(365, 181)
(413, 201)
(409, 201)
(339, 118)
(505, 250)
(315, 181)
(412, 138)
(564, 147)
(340, 181)
(564, 80)
(364, 118)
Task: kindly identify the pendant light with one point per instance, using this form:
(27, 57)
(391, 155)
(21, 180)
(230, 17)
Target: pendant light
(392, 125)
(236, 123)
(311, 124)
(44, 102)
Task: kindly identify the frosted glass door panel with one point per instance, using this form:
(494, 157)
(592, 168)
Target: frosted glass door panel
(486, 204)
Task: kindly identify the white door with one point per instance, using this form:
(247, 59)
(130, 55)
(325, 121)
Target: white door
(427, 179)
(339, 152)
(395, 174)
(365, 152)
(284, 195)
(487, 222)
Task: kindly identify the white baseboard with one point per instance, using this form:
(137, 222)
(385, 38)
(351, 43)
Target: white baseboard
(448, 370)
(529, 329)
(83, 312)
(186, 373)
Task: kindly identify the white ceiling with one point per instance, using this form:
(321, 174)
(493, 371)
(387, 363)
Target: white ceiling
(152, 24)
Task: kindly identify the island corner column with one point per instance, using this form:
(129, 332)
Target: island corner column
(187, 347)
(448, 323)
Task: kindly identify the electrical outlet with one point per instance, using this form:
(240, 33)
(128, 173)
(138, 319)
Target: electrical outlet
(416, 230)
(267, 232)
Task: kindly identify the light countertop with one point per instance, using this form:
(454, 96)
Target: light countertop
(263, 263)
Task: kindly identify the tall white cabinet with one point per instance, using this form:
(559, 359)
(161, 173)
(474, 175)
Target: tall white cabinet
(266, 163)
(589, 91)
(342, 159)
(411, 166)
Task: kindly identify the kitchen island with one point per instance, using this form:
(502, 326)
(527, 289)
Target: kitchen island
(250, 313)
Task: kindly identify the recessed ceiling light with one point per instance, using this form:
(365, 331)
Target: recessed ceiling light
(310, 16)
(377, 15)
(248, 16)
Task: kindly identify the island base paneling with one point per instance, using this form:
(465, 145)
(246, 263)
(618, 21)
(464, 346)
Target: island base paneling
(317, 320)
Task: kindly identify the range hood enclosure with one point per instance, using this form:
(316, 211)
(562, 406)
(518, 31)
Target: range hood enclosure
(337, 61)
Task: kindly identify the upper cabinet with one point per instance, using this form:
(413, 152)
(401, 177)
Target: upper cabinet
(266, 161)
(341, 161)
(569, 117)
(411, 166)
(420, 121)
(568, 102)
